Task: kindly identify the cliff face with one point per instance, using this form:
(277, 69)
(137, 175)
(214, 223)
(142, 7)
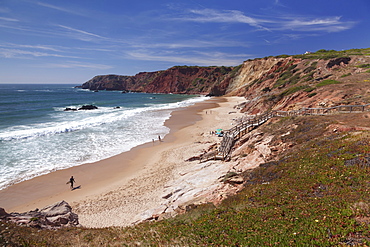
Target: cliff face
(179, 79)
(321, 79)
(294, 83)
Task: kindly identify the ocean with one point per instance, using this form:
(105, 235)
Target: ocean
(37, 135)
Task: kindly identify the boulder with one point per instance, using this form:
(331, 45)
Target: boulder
(3, 214)
(59, 208)
(51, 217)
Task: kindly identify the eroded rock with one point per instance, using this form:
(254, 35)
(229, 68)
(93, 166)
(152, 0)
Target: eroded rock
(51, 217)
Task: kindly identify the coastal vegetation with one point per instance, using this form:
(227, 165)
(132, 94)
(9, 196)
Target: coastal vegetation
(330, 54)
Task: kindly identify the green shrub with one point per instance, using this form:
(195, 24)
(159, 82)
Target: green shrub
(364, 66)
(309, 69)
(279, 83)
(270, 76)
(292, 90)
(327, 82)
(283, 56)
(294, 79)
(256, 81)
(224, 70)
(290, 68)
(345, 75)
(279, 70)
(235, 71)
(285, 75)
(309, 77)
(309, 89)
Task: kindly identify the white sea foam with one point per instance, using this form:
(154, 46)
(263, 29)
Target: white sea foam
(75, 138)
(84, 119)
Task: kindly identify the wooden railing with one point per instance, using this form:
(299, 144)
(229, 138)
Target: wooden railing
(233, 134)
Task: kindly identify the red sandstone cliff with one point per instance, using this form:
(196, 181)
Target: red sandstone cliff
(179, 79)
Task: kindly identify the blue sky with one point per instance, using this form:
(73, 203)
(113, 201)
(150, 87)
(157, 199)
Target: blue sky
(55, 41)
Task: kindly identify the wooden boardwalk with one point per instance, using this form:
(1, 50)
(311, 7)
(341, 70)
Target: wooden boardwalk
(235, 133)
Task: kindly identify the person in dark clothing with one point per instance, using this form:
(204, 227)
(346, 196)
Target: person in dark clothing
(71, 181)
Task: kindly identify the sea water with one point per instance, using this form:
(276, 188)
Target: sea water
(38, 136)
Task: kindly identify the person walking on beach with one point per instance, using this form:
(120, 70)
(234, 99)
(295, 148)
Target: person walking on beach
(71, 181)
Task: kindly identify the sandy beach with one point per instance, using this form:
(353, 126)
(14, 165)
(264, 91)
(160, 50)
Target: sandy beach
(149, 179)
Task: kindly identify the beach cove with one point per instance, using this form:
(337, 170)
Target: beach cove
(148, 180)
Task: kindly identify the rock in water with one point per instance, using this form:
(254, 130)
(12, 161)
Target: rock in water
(88, 107)
(70, 109)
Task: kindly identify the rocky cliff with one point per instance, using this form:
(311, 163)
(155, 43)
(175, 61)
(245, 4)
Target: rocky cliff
(324, 78)
(293, 83)
(178, 80)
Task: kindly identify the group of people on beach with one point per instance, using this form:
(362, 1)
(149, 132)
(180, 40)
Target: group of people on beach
(159, 139)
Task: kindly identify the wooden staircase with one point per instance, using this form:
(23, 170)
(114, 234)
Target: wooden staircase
(235, 133)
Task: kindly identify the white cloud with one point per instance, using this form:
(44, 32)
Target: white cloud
(74, 65)
(82, 35)
(53, 6)
(225, 16)
(8, 19)
(50, 6)
(300, 23)
(206, 59)
(191, 44)
(40, 47)
(62, 31)
(328, 24)
(17, 53)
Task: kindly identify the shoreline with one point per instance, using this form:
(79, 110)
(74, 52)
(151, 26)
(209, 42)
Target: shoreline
(131, 182)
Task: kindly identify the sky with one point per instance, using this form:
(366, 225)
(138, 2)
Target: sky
(71, 41)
